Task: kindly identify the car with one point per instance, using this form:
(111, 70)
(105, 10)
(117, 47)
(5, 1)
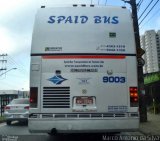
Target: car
(17, 110)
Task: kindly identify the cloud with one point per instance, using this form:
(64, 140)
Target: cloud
(12, 42)
(16, 25)
(7, 42)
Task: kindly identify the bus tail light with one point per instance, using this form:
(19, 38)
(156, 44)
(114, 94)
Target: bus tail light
(27, 107)
(7, 108)
(133, 96)
(33, 97)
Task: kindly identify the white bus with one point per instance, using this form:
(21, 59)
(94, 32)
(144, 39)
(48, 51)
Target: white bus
(83, 76)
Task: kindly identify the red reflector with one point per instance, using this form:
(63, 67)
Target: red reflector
(135, 99)
(31, 100)
(131, 89)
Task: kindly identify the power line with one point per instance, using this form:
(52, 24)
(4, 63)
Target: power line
(157, 12)
(98, 2)
(139, 4)
(105, 2)
(3, 62)
(91, 1)
(149, 11)
(145, 9)
(18, 65)
(7, 71)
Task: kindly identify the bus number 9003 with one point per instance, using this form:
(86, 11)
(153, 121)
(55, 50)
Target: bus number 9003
(113, 79)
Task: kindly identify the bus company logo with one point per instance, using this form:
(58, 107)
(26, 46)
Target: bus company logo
(82, 19)
(57, 79)
(84, 81)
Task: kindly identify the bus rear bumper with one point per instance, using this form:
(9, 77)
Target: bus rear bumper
(83, 125)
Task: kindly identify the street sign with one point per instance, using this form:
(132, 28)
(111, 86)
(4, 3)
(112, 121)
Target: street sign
(140, 52)
(141, 62)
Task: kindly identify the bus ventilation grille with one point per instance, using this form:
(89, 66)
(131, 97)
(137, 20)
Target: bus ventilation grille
(56, 97)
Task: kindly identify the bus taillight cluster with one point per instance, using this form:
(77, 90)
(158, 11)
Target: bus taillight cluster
(33, 96)
(133, 96)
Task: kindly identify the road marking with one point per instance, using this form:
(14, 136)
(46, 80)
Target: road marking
(14, 122)
(2, 124)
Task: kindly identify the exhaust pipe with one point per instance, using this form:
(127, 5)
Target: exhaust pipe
(53, 131)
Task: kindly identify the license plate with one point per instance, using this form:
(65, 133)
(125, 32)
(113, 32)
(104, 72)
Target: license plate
(16, 116)
(14, 107)
(84, 100)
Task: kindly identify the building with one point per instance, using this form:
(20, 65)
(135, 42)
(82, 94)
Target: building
(150, 42)
(7, 95)
(158, 46)
(16, 93)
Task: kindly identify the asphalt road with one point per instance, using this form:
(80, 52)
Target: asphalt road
(19, 132)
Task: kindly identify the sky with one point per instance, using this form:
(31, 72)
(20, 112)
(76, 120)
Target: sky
(16, 25)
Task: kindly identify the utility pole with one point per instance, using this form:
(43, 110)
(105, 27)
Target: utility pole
(3, 61)
(140, 52)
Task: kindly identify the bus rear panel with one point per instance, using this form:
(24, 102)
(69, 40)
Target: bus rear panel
(83, 75)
